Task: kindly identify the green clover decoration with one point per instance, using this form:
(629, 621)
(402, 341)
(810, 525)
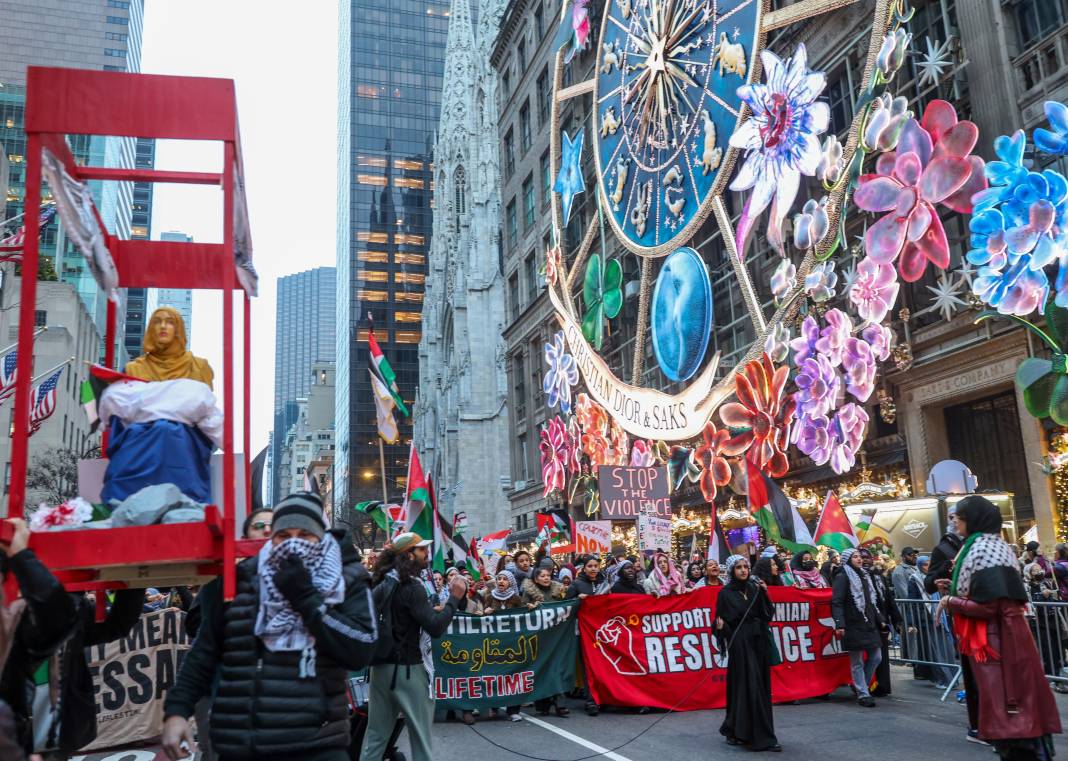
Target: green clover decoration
(603, 296)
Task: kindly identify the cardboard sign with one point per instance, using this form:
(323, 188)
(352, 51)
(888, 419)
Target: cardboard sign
(654, 533)
(627, 492)
(131, 677)
(593, 537)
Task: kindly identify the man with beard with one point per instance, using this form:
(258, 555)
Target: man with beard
(627, 580)
(401, 684)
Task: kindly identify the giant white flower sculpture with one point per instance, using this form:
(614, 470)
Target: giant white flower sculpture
(780, 139)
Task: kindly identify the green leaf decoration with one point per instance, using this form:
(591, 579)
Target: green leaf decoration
(1035, 379)
(1058, 402)
(602, 294)
(1057, 324)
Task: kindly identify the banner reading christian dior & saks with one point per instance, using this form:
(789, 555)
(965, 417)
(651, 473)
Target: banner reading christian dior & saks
(646, 651)
(510, 657)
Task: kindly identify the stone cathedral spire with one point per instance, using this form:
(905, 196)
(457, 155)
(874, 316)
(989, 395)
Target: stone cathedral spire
(461, 422)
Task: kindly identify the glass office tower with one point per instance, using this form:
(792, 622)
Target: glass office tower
(390, 60)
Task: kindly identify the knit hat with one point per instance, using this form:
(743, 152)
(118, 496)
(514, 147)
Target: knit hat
(566, 572)
(302, 510)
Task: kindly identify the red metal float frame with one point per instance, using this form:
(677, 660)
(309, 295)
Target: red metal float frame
(60, 102)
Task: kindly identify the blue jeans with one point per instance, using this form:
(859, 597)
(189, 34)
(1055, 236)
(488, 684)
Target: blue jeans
(863, 670)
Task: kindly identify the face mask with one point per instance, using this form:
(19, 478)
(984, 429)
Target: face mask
(808, 565)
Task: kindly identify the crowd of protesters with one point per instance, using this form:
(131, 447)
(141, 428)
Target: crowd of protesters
(309, 611)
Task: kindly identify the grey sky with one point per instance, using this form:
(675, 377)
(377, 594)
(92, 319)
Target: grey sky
(283, 58)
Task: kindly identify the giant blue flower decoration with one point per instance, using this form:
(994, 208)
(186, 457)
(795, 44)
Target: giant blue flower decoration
(1055, 141)
(570, 182)
(562, 373)
(1020, 226)
(780, 139)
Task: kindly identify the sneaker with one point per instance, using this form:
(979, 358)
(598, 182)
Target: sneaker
(514, 717)
(973, 737)
(866, 702)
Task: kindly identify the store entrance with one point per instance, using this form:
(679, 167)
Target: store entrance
(985, 435)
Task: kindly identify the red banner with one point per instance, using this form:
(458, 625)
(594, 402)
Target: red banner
(647, 651)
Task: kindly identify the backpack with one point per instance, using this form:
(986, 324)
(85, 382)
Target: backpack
(385, 647)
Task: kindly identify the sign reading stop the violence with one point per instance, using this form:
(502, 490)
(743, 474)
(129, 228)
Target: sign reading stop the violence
(647, 651)
(627, 492)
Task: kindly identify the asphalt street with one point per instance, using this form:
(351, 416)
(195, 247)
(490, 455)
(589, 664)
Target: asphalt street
(910, 723)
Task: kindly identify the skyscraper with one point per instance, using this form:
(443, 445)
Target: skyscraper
(178, 298)
(140, 229)
(390, 77)
(105, 35)
(304, 334)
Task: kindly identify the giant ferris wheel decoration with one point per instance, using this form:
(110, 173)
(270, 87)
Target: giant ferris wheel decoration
(669, 137)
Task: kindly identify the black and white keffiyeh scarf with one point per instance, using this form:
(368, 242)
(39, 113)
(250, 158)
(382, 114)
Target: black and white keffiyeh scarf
(279, 626)
(984, 552)
(857, 586)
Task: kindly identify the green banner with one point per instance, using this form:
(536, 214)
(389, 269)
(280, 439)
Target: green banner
(506, 658)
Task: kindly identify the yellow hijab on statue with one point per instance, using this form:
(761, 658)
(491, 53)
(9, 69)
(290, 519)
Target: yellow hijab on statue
(165, 356)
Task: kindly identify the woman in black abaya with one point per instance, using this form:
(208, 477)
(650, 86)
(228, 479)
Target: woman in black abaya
(743, 615)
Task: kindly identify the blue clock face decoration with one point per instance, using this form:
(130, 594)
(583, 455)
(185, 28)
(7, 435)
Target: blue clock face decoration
(681, 316)
(666, 105)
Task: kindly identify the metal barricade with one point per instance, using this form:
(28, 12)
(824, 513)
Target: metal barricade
(1049, 625)
(923, 641)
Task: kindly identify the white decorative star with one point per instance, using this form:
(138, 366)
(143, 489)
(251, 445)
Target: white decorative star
(945, 293)
(932, 63)
(859, 245)
(966, 272)
(736, 34)
(849, 276)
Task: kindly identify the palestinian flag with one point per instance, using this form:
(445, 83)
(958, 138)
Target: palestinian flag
(554, 527)
(491, 548)
(379, 513)
(776, 514)
(417, 504)
(718, 549)
(384, 374)
(834, 529)
(93, 389)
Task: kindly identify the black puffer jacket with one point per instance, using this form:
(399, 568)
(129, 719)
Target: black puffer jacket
(581, 585)
(861, 629)
(262, 706)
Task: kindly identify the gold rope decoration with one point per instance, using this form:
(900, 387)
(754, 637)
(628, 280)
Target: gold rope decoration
(643, 310)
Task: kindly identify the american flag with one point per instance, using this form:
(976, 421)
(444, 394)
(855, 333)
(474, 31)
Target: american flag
(44, 401)
(7, 374)
(11, 246)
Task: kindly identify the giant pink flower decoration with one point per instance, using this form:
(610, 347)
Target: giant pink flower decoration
(573, 452)
(763, 413)
(875, 290)
(714, 469)
(641, 454)
(932, 166)
(553, 456)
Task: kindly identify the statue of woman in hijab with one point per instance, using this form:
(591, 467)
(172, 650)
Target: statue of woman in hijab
(165, 354)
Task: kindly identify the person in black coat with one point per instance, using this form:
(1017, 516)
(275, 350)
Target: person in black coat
(281, 690)
(940, 566)
(858, 623)
(627, 580)
(32, 629)
(72, 725)
(831, 567)
(743, 619)
(886, 602)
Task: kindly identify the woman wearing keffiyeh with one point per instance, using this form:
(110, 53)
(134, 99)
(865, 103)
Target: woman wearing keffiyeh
(857, 622)
(1009, 700)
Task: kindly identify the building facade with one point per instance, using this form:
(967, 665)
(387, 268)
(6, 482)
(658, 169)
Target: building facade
(389, 90)
(304, 335)
(309, 442)
(948, 393)
(461, 417)
(105, 36)
(71, 332)
(176, 298)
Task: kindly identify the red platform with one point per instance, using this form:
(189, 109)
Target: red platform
(60, 102)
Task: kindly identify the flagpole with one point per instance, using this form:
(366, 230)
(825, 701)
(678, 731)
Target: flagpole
(382, 465)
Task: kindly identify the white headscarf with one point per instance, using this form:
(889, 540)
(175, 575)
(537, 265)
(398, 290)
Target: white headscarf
(856, 583)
